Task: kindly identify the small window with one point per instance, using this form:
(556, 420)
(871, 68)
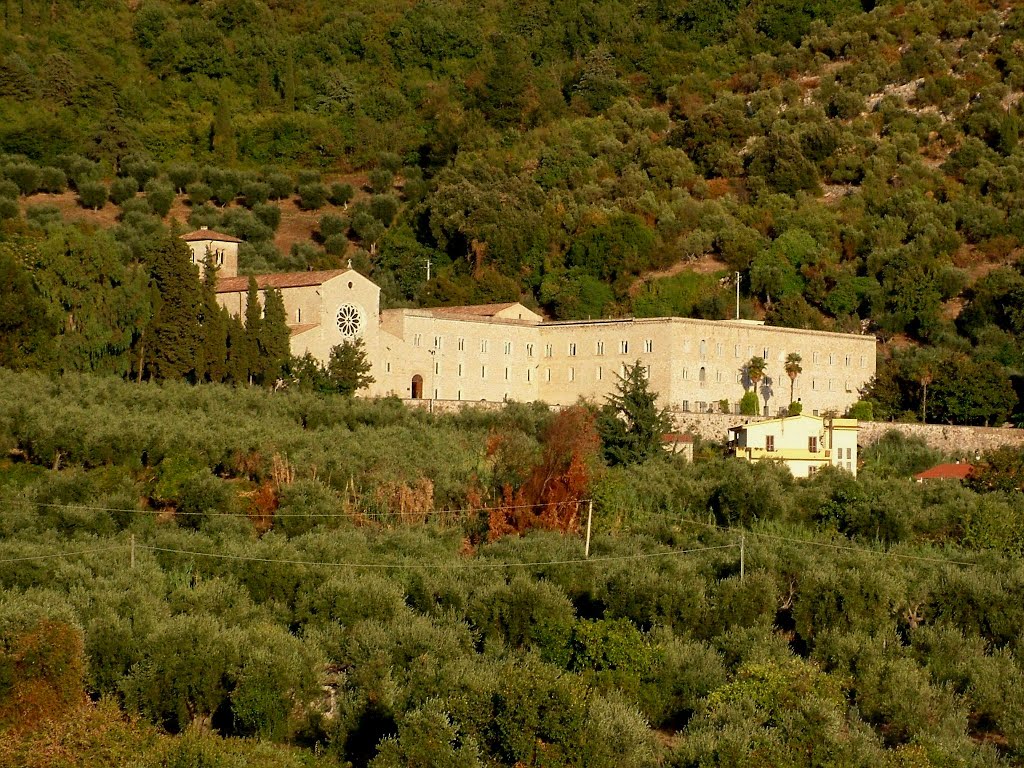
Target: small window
(814, 357)
(572, 349)
(703, 348)
(572, 374)
(848, 358)
(460, 369)
(483, 371)
(529, 350)
(686, 374)
(462, 345)
(387, 367)
(624, 347)
(812, 471)
(736, 351)
(702, 375)
(765, 355)
(718, 376)
(483, 345)
(506, 374)
(812, 444)
(831, 384)
(685, 406)
(529, 375)
(600, 373)
(600, 347)
(298, 315)
(547, 374)
(437, 342)
(831, 359)
(508, 347)
(863, 361)
(416, 339)
(648, 345)
(814, 387)
(769, 443)
(548, 350)
(718, 350)
(437, 367)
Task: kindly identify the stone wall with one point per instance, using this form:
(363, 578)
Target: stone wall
(714, 426)
(946, 438)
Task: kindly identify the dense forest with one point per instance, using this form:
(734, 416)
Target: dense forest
(224, 576)
(858, 164)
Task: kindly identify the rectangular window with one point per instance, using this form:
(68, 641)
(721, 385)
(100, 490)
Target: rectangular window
(416, 340)
(572, 374)
(769, 443)
(736, 351)
(529, 350)
(529, 375)
(572, 349)
(814, 357)
(812, 444)
(600, 373)
(437, 367)
(849, 467)
(848, 361)
(718, 349)
(600, 347)
(437, 342)
(765, 355)
(814, 386)
(460, 369)
(831, 359)
(686, 374)
(718, 376)
(831, 385)
(387, 367)
(483, 371)
(624, 347)
(548, 350)
(462, 345)
(685, 406)
(547, 374)
(812, 471)
(483, 345)
(506, 374)
(298, 315)
(862, 361)
(648, 345)
(508, 347)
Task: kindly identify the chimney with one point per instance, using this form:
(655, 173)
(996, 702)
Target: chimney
(204, 227)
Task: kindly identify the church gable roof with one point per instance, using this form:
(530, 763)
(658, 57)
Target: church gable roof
(208, 234)
(278, 280)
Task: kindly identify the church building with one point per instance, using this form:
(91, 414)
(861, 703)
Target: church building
(499, 352)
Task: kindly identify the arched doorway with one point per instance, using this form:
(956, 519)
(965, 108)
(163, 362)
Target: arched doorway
(417, 387)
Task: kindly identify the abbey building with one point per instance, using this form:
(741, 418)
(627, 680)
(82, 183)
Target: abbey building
(499, 352)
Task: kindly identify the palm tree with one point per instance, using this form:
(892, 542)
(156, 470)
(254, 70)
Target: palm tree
(793, 369)
(755, 371)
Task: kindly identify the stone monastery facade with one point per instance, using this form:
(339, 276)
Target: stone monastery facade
(500, 352)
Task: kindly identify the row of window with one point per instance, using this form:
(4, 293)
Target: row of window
(549, 349)
(570, 375)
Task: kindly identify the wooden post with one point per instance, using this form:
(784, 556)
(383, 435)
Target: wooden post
(590, 517)
(743, 539)
(133, 551)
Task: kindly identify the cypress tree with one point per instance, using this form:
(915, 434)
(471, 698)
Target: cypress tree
(213, 358)
(274, 338)
(174, 333)
(251, 343)
(237, 350)
(222, 135)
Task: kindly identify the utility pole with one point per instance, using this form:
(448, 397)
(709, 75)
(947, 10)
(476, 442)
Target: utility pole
(590, 518)
(737, 295)
(743, 539)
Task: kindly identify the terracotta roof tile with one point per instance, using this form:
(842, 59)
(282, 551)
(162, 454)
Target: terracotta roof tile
(295, 330)
(946, 472)
(481, 310)
(278, 280)
(675, 437)
(209, 234)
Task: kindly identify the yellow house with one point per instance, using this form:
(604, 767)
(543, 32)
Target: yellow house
(802, 443)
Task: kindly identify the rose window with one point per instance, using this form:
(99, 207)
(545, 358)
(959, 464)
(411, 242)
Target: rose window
(350, 319)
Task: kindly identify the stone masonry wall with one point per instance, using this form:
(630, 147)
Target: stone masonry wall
(714, 426)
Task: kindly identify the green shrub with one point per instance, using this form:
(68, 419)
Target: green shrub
(749, 404)
(340, 194)
(160, 196)
(281, 186)
(92, 194)
(52, 180)
(122, 189)
(312, 196)
(199, 193)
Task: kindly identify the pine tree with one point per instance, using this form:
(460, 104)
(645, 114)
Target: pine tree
(348, 369)
(274, 338)
(631, 424)
(222, 134)
(253, 321)
(174, 333)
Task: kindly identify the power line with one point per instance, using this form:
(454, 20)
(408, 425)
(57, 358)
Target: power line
(62, 554)
(810, 542)
(370, 515)
(436, 566)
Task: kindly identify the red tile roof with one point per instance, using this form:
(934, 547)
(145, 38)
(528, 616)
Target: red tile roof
(946, 472)
(675, 437)
(278, 280)
(209, 234)
(480, 310)
(295, 330)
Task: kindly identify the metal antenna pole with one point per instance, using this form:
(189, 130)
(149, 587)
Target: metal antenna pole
(590, 518)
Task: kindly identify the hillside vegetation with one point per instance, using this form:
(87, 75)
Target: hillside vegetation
(859, 166)
(186, 584)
